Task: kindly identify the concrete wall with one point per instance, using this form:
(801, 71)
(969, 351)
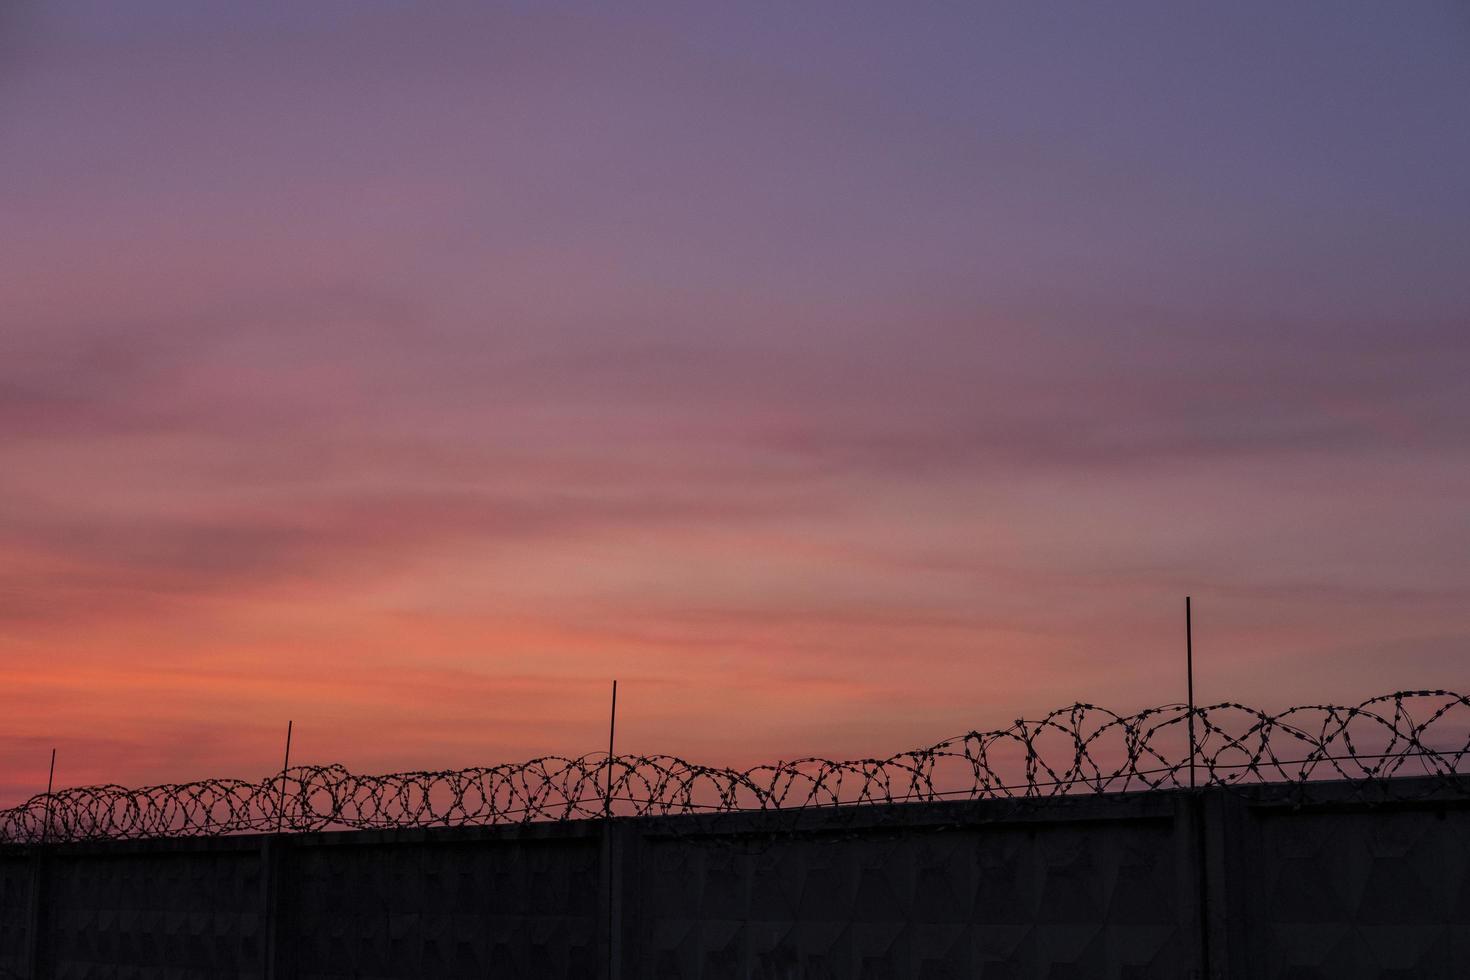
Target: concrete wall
(1323, 885)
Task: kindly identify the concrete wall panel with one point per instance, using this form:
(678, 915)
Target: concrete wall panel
(197, 912)
(15, 913)
(1377, 893)
(430, 909)
(988, 901)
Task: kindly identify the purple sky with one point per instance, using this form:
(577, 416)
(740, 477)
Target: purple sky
(839, 378)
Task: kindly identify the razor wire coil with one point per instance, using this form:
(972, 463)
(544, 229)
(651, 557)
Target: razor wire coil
(1080, 749)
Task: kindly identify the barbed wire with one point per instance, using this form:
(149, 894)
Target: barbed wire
(1080, 749)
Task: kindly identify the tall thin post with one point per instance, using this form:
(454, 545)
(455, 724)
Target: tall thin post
(1189, 671)
(36, 932)
(1197, 805)
(609, 852)
(50, 781)
(612, 726)
(285, 766)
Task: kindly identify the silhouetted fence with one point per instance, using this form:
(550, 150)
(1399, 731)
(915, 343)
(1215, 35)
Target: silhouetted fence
(1082, 749)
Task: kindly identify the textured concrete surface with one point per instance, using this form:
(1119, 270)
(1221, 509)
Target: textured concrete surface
(15, 913)
(1325, 882)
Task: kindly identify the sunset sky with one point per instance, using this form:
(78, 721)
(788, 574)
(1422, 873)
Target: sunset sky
(839, 377)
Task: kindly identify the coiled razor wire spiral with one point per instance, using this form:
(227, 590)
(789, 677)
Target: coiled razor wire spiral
(1081, 749)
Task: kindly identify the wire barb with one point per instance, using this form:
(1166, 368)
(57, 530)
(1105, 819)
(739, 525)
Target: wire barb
(1080, 749)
